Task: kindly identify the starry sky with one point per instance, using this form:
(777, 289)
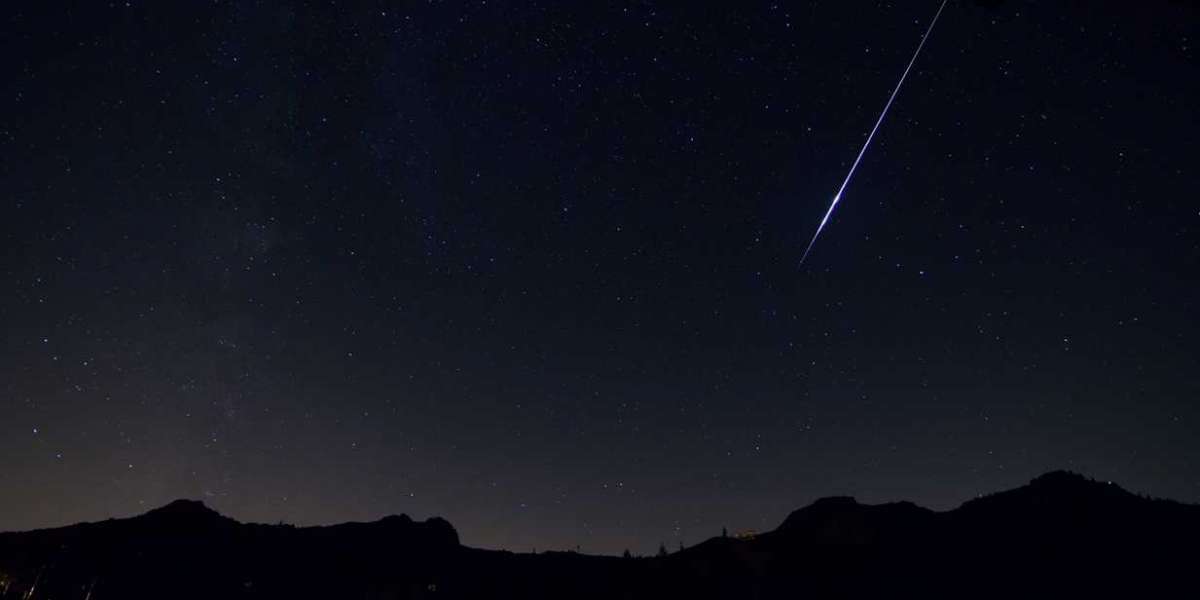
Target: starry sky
(533, 266)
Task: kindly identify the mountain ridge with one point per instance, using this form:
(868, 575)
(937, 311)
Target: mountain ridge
(193, 509)
(1057, 524)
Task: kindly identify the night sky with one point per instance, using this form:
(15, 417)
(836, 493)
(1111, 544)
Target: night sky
(533, 266)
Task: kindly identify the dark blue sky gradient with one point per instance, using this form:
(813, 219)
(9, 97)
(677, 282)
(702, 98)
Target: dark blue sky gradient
(533, 266)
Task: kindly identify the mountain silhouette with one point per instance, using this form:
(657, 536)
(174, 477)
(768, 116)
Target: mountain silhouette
(1061, 535)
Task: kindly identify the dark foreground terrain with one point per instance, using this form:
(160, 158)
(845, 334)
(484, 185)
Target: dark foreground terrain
(1059, 536)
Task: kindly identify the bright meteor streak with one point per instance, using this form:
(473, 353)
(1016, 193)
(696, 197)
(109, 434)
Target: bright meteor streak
(838, 197)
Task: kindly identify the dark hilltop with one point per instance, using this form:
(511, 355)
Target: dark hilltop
(1061, 535)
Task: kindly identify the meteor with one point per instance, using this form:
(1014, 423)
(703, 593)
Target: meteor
(838, 196)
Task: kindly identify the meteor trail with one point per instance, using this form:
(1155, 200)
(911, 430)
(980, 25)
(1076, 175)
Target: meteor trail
(838, 197)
